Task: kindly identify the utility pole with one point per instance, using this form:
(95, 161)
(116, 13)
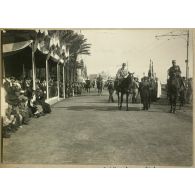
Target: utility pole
(172, 35)
(187, 57)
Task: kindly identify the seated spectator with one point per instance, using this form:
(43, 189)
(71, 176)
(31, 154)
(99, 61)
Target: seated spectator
(20, 102)
(36, 109)
(40, 98)
(23, 107)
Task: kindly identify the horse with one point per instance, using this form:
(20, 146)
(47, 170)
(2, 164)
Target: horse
(182, 95)
(99, 86)
(88, 86)
(123, 87)
(174, 85)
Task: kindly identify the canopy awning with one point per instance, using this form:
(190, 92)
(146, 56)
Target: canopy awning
(12, 47)
(14, 36)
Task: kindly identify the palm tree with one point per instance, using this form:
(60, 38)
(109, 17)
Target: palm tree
(67, 45)
(77, 44)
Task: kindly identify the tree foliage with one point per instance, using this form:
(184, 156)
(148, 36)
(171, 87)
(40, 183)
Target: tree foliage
(76, 43)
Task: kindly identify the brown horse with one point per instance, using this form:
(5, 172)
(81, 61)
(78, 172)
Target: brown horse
(123, 87)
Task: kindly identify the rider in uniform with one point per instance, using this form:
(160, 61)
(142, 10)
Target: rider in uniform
(174, 70)
(122, 73)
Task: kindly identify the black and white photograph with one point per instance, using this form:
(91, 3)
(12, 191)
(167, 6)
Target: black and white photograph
(97, 97)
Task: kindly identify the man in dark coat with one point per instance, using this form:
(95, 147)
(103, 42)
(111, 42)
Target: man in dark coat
(174, 70)
(145, 93)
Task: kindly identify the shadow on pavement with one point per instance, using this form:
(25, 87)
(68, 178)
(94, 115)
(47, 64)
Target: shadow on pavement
(98, 108)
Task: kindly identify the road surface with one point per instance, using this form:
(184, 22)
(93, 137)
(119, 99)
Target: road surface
(87, 130)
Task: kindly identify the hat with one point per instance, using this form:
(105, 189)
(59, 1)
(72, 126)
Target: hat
(173, 61)
(123, 64)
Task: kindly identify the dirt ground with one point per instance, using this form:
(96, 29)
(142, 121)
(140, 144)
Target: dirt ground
(87, 130)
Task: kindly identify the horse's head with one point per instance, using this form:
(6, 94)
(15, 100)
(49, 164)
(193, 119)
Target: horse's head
(174, 75)
(130, 77)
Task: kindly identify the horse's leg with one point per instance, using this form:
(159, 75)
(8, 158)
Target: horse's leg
(180, 101)
(171, 102)
(121, 103)
(127, 101)
(174, 103)
(118, 99)
(112, 98)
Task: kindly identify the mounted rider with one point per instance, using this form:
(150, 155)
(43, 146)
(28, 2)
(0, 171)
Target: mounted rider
(122, 73)
(174, 72)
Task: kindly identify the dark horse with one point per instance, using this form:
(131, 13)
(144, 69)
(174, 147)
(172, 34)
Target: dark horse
(124, 87)
(174, 85)
(99, 86)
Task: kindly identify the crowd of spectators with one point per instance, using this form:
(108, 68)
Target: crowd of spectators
(20, 103)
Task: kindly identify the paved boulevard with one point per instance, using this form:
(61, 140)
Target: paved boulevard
(88, 130)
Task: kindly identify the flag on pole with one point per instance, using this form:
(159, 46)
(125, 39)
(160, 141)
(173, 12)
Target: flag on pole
(150, 69)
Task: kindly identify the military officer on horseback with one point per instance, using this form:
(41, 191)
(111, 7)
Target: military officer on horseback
(175, 86)
(174, 70)
(122, 73)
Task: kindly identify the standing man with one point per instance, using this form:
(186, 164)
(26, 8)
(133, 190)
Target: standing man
(145, 93)
(110, 90)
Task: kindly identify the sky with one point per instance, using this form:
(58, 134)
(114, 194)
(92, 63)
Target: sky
(111, 47)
